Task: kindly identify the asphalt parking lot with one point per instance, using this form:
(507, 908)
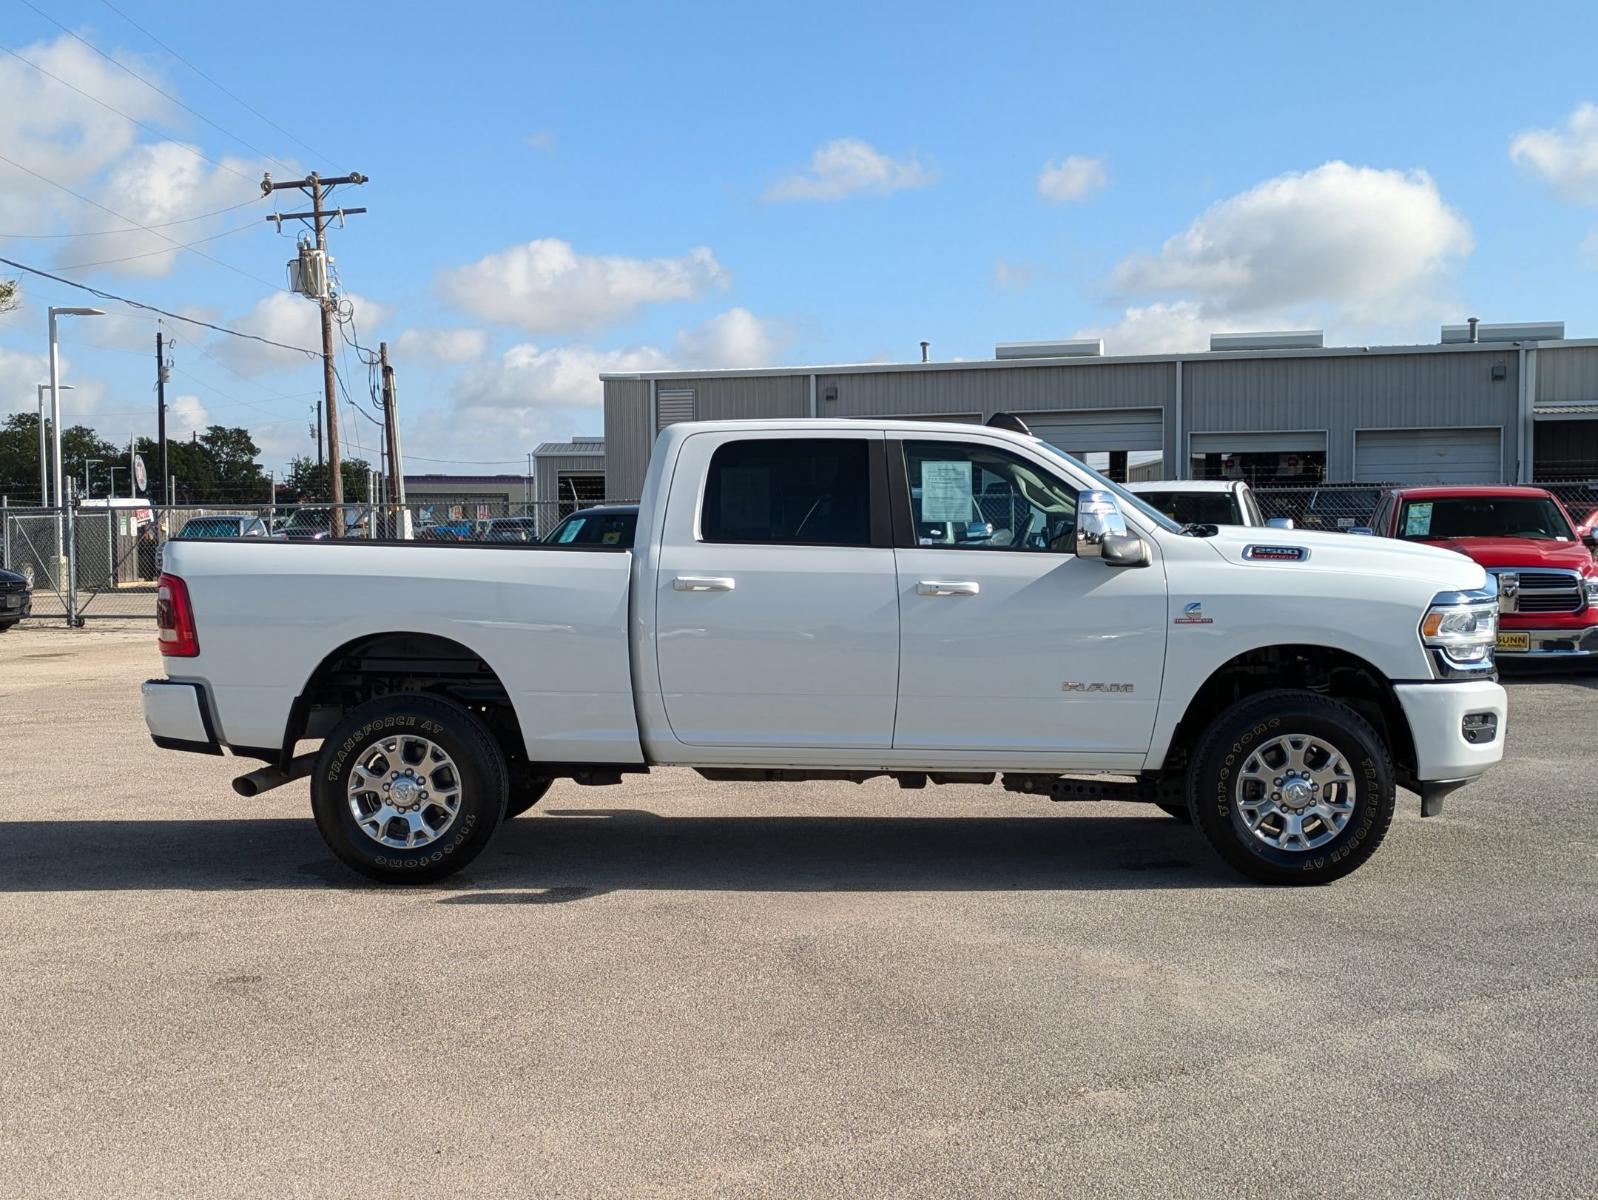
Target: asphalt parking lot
(680, 988)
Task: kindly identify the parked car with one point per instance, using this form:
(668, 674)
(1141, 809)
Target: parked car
(16, 598)
(1543, 561)
(1206, 502)
(221, 526)
(445, 531)
(511, 529)
(602, 525)
(781, 618)
(314, 523)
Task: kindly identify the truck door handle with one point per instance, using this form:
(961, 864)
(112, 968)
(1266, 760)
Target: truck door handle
(946, 587)
(704, 583)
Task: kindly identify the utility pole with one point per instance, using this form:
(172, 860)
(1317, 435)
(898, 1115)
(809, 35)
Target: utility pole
(160, 414)
(318, 188)
(318, 431)
(396, 470)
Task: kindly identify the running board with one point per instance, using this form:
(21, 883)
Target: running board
(1062, 787)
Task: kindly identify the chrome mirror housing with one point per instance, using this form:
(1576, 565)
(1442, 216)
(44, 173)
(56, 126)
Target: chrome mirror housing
(1280, 523)
(1097, 516)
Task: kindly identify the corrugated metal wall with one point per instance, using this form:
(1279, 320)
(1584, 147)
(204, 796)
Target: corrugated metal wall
(1343, 393)
(1567, 375)
(1335, 393)
(629, 436)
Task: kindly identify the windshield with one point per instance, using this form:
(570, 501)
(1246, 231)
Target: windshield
(1196, 508)
(595, 529)
(1120, 493)
(1484, 517)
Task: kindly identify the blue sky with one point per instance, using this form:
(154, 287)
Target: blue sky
(573, 188)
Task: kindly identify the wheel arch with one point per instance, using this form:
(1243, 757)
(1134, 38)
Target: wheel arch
(393, 662)
(1327, 670)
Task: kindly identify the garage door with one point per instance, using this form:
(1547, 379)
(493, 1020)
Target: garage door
(1098, 429)
(1419, 456)
(1272, 442)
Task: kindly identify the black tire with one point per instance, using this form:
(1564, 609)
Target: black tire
(479, 765)
(1180, 811)
(526, 790)
(1224, 752)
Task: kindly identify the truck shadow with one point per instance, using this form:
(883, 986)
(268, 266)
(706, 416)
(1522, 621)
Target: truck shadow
(562, 855)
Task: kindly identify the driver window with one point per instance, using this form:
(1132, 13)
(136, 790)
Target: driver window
(970, 497)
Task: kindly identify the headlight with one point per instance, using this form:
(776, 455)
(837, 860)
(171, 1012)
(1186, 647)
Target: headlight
(1461, 629)
(1592, 591)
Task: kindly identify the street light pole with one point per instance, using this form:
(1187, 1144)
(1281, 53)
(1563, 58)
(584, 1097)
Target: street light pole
(55, 391)
(87, 463)
(44, 450)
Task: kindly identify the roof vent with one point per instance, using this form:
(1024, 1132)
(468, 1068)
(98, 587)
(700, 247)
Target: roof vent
(1076, 348)
(1523, 331)
(1282, 339)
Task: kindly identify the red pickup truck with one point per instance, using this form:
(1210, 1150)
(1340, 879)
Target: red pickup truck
(1547, 577)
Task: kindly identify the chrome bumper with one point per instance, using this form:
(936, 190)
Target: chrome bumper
(1554, 643)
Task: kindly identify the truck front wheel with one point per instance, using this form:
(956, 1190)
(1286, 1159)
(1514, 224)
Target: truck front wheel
(408, 788)
(1292, 787)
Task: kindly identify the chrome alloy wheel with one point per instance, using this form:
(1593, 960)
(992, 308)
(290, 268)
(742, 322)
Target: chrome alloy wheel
(1295, 792)
(404, 791)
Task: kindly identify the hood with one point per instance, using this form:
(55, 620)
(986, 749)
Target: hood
(12, 577)
(1354, 554)
(1521, 552)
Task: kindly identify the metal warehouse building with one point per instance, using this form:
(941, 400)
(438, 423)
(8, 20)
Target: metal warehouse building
(1487, 403)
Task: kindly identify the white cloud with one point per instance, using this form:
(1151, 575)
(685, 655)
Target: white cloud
(1567, 160)
(545, 286)
(848, 167)
(186, 415)
(20, 375)
(1071, 179)
(293, 320)
(442, 345)
(1372, 248)
(531, 393)
(68, 138)
(736, 338)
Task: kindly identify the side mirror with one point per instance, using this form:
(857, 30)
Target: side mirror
(1280, 523)
(1097, 516)
(1124, 550)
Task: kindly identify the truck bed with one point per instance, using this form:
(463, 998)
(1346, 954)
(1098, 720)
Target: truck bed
(553, 620)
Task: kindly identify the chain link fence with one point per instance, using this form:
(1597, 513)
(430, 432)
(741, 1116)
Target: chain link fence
(109, 564)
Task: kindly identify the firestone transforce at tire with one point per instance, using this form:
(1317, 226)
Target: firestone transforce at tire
(1292, 787)
(408, 788)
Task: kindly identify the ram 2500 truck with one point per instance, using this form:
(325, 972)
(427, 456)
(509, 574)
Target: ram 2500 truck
(821, 599)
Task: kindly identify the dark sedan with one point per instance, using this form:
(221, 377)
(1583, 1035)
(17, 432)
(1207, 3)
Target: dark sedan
(16, 599)
(602, 525)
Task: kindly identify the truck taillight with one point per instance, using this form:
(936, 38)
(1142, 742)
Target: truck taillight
(174, 618)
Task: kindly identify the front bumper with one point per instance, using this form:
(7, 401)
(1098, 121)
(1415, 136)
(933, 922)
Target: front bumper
(1436, 713)
(1552, 643)
(178, 717)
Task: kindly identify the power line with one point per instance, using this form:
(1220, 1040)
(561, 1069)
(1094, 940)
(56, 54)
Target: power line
(469, 462)
(158, 91)
(123, 217)
(105, 295)
(106, 262)
(148, 128)
(219, 87)
(46, 237)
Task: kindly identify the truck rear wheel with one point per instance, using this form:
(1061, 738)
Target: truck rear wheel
(408, 788)
(1292, 787)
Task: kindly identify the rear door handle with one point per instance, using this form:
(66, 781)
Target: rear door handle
(947, 587)
(704, 583)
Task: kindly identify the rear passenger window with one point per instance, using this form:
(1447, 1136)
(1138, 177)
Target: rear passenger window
(798, 491)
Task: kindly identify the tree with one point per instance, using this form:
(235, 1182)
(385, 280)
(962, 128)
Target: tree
(218, 466)
(309, 481)
(10, 295)
(19, 455)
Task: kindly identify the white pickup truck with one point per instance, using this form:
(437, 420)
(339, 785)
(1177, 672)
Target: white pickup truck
(821, 599)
